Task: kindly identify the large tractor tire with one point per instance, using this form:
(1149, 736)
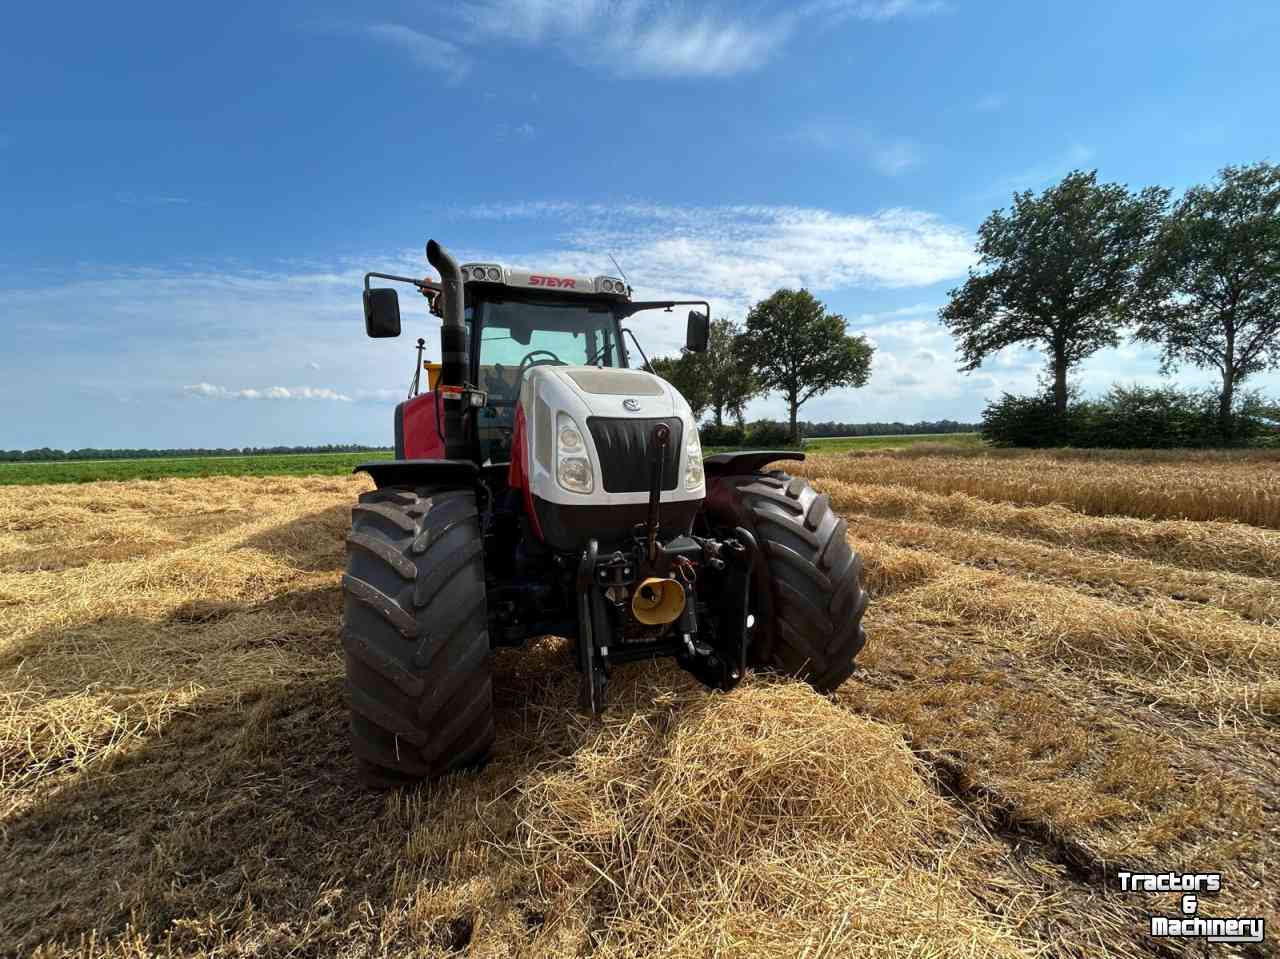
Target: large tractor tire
(808, 599)
(414, 630)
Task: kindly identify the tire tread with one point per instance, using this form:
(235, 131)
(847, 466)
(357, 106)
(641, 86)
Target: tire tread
(416, 635)
(814, 575)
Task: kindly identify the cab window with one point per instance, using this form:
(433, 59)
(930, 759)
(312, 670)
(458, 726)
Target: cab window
(516, 336)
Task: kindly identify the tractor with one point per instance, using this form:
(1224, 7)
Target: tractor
(543, 486)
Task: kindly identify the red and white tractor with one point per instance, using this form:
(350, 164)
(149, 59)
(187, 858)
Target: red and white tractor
(543, 486)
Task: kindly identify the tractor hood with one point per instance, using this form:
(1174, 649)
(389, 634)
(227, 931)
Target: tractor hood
(615, 412)
(615, 392)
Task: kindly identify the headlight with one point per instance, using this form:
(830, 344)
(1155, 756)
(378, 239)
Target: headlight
(573, 469)
(570, 439)
(494, 273)
(693, 475)
(574, 474)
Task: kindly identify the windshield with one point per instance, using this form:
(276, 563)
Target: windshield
(576, 334)
(516, 334)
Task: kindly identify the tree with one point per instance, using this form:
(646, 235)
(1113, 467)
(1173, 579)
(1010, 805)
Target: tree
(1054, 271)
(795, 347)
(1209, 292)
(682, 372)
(714, 379)
(730, 382)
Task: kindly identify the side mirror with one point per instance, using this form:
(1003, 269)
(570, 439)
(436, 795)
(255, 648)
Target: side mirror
(381, 313)
(698, 332)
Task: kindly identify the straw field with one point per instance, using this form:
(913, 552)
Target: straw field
(1074, 668)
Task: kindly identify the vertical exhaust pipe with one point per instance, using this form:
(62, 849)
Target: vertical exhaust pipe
(453, 347)
(453, 334)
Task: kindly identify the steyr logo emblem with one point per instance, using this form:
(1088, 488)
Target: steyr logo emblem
(538, 279)
(631, 406)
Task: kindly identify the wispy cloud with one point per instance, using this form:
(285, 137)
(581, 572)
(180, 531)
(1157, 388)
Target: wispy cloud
(515, 131)
(659, 38)
(130, 198)
(423, 49)
(887, 155)
(739, 254)
(990, 102)
(212, 391)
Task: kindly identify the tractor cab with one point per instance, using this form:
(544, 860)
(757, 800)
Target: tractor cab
(513, 321)
(511, 331)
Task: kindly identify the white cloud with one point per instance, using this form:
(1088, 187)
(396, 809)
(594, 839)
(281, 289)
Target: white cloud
(313, 365)
(739, 254)
(990, 102)
(425, 50)
(630, 37)
(204, 389)
(650, 37)
(266, 393)
(887, 155)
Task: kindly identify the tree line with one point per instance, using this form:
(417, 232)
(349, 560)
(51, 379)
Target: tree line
(832, 428)
(1133, 417)
(46, 455)
(1084, 265)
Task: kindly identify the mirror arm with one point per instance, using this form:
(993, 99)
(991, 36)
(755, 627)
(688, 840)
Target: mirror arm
(627, 309)
(423, 285)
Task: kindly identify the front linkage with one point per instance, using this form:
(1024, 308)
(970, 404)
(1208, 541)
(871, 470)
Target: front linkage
(688, 598)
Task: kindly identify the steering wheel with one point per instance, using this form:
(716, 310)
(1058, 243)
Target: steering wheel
(529, 363)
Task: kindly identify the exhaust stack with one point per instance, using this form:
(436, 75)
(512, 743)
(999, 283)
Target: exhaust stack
(453, 349)
(453, 334)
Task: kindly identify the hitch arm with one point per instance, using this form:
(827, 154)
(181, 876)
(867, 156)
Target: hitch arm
(661, 437)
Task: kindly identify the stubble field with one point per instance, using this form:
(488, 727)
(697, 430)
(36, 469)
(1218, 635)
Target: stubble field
(1074, 668)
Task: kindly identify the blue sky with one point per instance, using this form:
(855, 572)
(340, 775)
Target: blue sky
(190, 193)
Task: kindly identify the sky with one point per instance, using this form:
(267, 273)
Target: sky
(190, 193)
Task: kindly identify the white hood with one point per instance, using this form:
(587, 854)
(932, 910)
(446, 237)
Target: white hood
(581, 392)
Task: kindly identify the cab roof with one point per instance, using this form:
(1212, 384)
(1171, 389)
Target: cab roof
(559, 282)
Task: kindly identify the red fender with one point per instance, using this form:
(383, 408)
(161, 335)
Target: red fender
(516, 477)
(419, 433)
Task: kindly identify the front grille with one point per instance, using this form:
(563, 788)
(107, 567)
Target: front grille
(625, 448)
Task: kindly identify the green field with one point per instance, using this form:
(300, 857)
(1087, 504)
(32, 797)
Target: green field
(843, 444)
(332, 464)
(89, 471)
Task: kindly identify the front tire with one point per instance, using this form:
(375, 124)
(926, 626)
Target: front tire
(414, 630)
(809, 599)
